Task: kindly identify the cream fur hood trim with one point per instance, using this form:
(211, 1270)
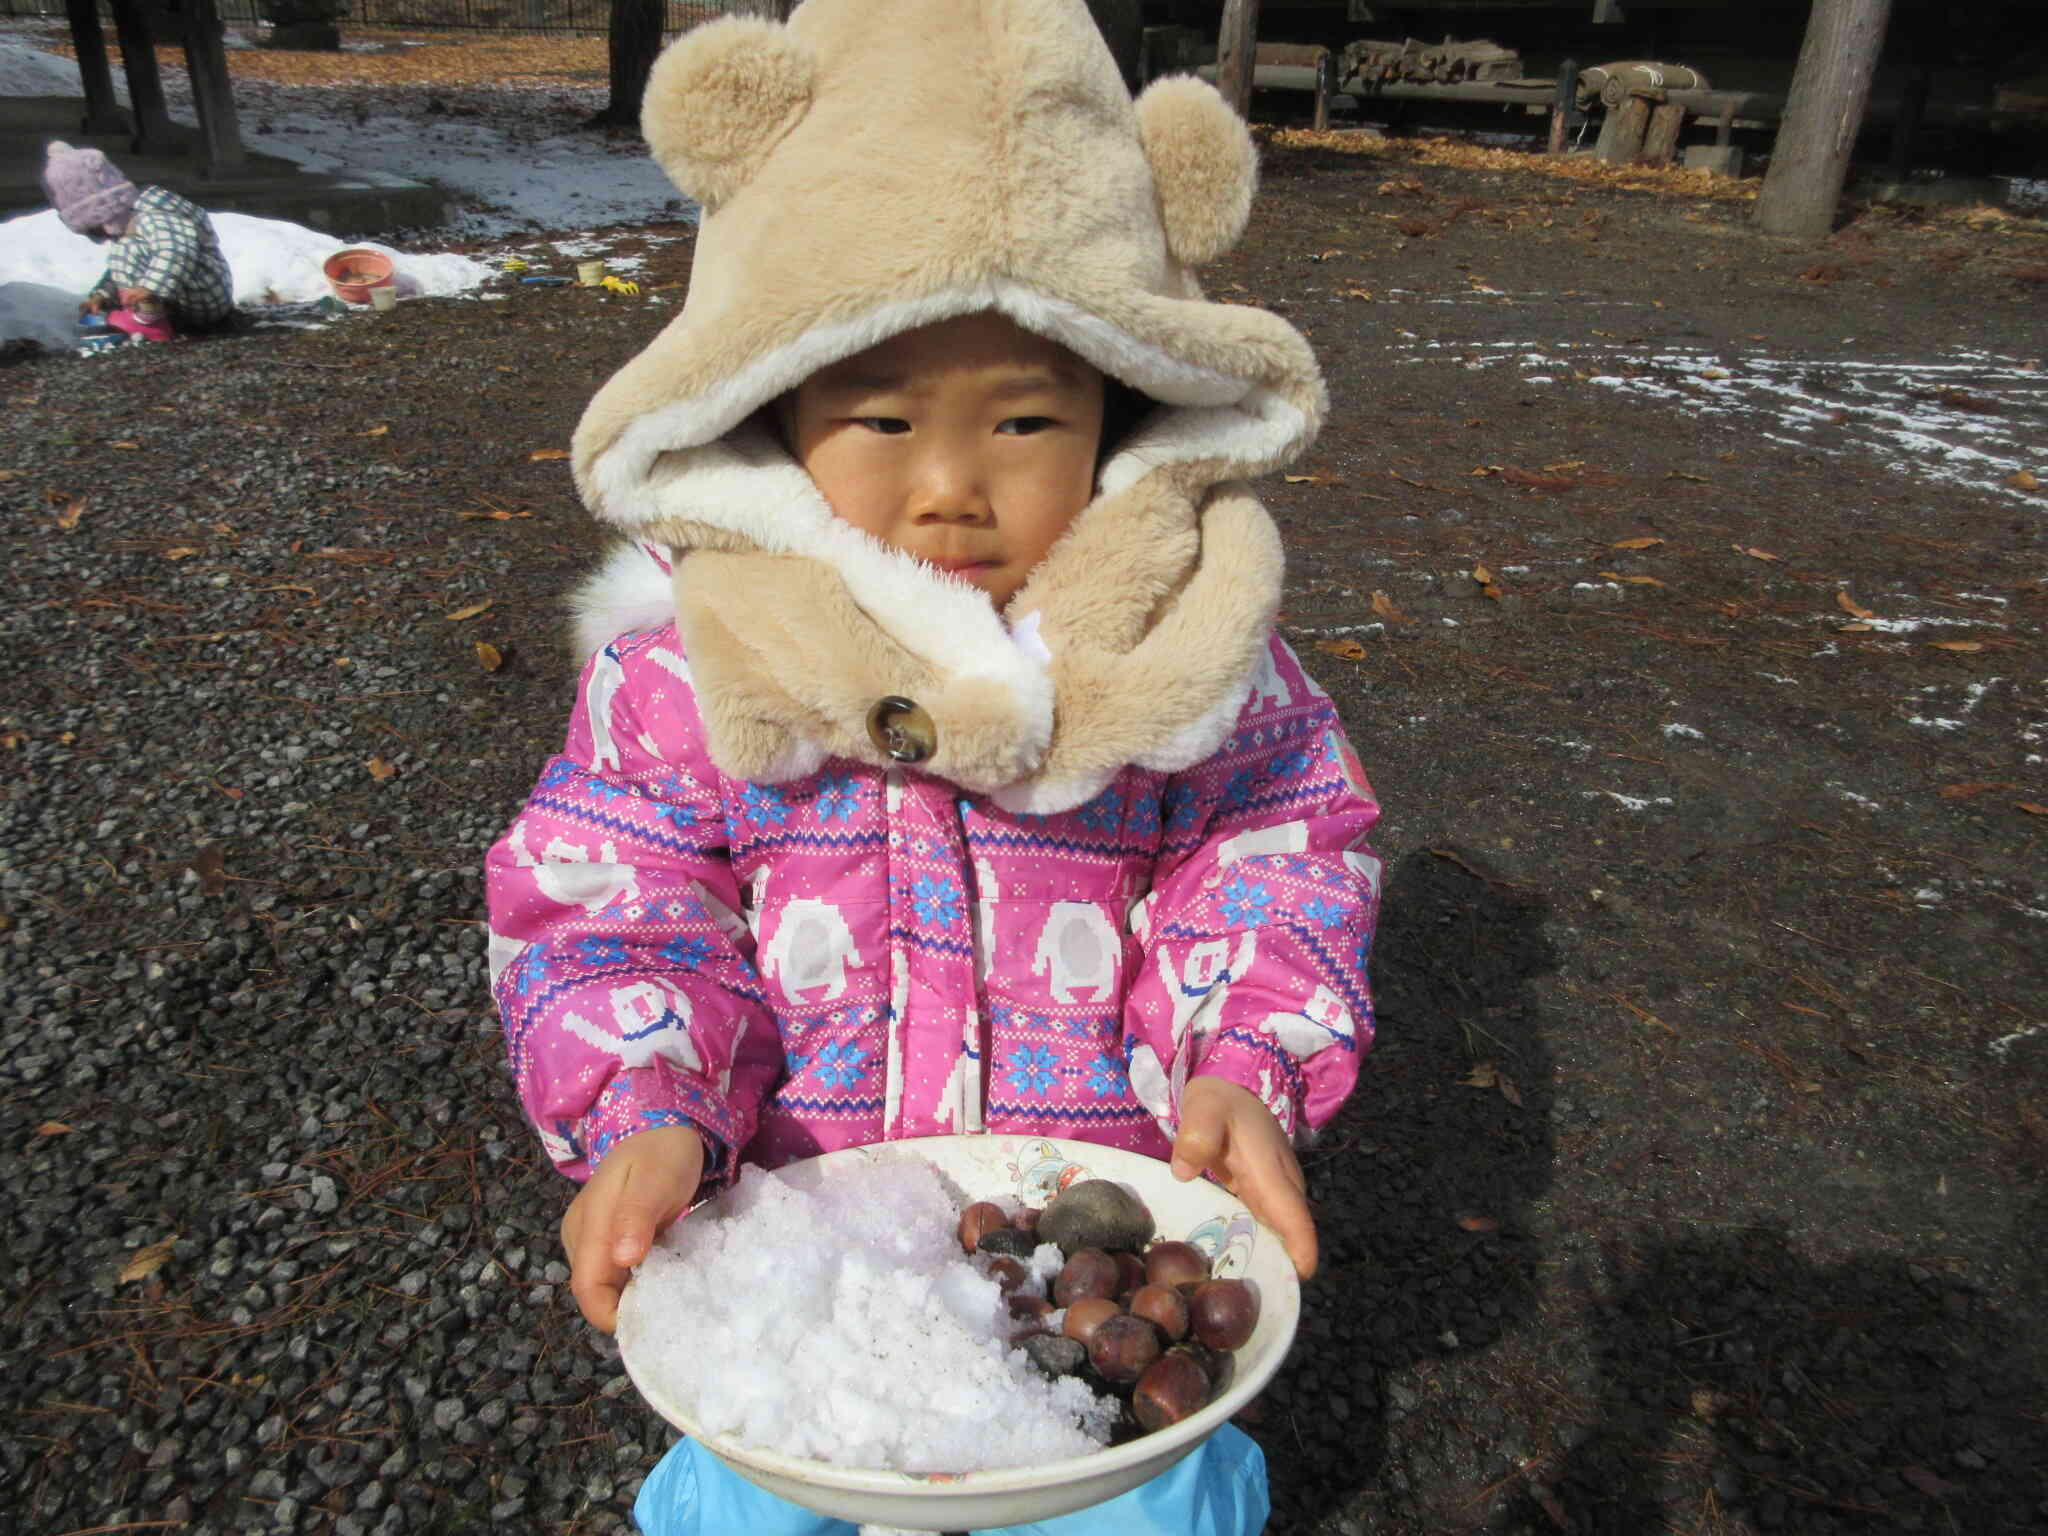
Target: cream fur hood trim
(877, 165)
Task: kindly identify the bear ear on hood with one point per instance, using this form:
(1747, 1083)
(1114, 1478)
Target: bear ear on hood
(1203, 166)
(720, 99)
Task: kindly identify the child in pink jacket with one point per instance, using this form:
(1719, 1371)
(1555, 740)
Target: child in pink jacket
(935, 768)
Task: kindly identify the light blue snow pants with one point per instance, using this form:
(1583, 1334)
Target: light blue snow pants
(1217, 1489)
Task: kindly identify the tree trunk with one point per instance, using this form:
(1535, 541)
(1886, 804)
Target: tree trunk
(1830, 89)
(634, 43)
(1237, 46)
(213, 92)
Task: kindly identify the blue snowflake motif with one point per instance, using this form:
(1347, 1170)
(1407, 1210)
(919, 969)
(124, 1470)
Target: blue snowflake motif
(1104, 813)
(1244, 902)
(1183, 810)
(838, 1066)
(531, 969)
(604, 790)
(764, 806)
(1364, 950)
(681, 817)
(936, 900)
(600, 1144)
(1082, 1029)
(652, 1118)
(691, 950)
(1033, 1069)
(558, 772)
(836, 798)
(1327, 913)
(1106, 1076)
(602, 951)
(1239, 789)
(1144, 817)
(1292, 764)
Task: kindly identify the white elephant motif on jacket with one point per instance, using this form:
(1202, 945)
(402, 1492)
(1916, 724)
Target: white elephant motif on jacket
(652, 1022)
(812, 948)
(566, 873)
(1079, 947)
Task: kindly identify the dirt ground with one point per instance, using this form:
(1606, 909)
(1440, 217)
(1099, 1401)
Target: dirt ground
(1684, 594)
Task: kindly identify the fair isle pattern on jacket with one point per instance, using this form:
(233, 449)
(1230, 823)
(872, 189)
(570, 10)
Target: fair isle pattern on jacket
(171, 250)
(863, 955)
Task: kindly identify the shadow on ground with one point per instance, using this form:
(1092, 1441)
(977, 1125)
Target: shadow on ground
(1420, 1187)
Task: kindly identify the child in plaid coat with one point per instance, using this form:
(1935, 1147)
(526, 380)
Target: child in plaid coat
(165, 271)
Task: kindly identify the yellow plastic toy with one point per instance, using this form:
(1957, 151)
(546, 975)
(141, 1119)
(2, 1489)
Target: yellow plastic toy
(513, 266)
(620, 285)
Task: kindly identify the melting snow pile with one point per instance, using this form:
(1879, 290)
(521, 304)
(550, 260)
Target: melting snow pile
(847, 1326)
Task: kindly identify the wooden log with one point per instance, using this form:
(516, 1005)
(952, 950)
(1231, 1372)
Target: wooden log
(1830, 89)
(1660, 141)
(1562, 103)
(1237, 46)
(213, 97)
(1625, 142)
(145, 86)
(1326, 87)
(103, 112)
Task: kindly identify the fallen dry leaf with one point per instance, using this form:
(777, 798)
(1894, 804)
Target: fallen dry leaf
(1482, 575)
(1956, 645)
(1634, 581)
(12, 474)
(496, 515)
(145, 1262)
(2023, 481)
(180, 552)
(131, 447)
(1359, 293)
(2030, 808)
(1754, 553)
(1473, 1223)
(1716, 373)
(1964, 791)
(53, 1128)
(381, 768)
(1386, 608)
(1679, 474)
(1848, 629)
(541, 455)
(1314, 477)
(1927, 1482)
(1645, 542)
(1347, 650)
(1850, 606)
(1536, 482)
(469, 611)
(375, 432)
(489, 655)
(73, 511)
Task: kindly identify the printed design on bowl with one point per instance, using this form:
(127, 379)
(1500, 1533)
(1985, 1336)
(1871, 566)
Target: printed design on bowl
(1042, 1171)
(1226, 1242)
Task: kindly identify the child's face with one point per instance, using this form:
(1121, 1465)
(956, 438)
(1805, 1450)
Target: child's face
(970, 444)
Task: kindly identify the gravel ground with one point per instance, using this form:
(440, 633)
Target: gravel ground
(280, 1253)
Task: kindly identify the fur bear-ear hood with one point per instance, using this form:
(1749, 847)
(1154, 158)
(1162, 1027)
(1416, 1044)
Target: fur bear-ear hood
(873, 166)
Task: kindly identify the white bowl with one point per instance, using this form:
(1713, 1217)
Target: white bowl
(1029, 1169)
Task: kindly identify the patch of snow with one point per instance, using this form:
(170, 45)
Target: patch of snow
(1937, 723)
(1629, 802)
(1779, 677)
(1855, 799)
(1675, 729)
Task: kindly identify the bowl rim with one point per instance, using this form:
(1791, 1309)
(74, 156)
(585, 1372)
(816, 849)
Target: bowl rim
(1167, 1444)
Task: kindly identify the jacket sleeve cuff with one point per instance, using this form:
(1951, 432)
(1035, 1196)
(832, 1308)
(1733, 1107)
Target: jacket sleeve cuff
(649, 1098)
(1259, 1064)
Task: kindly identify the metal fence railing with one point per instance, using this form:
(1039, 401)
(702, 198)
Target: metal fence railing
(588, 16)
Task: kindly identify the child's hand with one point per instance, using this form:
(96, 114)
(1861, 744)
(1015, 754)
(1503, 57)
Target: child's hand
(130, 297)
(647, 1182)
(1226, 1131)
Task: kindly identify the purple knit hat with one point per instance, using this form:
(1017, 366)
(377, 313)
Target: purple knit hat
(85, 188)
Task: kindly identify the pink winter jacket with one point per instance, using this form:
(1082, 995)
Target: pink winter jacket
(861, 954)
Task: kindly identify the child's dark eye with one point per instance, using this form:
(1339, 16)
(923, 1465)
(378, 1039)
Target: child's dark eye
(889, 426)
(1024, 426)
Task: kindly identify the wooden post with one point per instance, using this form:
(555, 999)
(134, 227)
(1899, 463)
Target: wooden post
(1562, 102)
(145, 85)
(1326, 85)
(1660, 143)
(1830, 89)
(1237, 44)
(213, 96)
(102, 112)
(1621, 135)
